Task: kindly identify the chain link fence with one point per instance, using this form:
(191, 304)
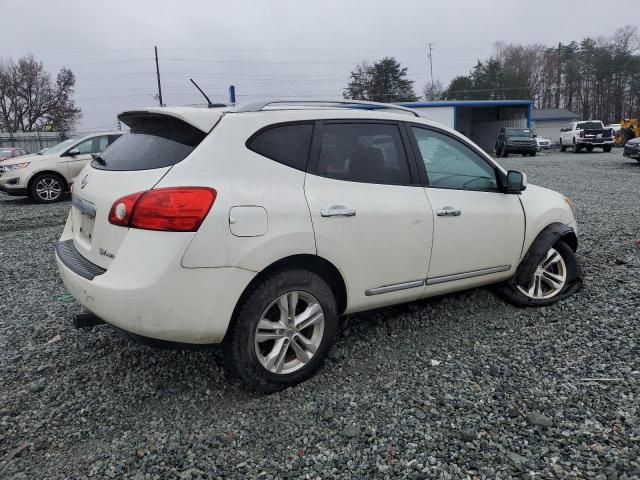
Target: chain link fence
(32, 142)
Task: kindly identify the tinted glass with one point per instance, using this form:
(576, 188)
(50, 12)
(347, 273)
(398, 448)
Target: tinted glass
(153, 142)
(519, 132)
(590, 125)
(288, 144)
(363, 152)
(451, 164)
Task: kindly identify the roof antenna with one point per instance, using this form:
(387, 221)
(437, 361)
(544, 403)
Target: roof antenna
(209, 104)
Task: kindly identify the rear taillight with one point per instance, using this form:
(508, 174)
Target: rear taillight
(176, 209)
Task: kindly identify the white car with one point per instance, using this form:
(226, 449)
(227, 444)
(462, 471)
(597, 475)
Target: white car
(47, 175)
(258, 226)
(543, 143)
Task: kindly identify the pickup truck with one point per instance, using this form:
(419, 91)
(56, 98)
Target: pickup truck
(588, 135)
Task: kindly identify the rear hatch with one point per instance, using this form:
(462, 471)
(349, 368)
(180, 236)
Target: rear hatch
(134, 163)
(594, 130)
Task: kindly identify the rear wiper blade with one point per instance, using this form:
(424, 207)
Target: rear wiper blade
(99, 159)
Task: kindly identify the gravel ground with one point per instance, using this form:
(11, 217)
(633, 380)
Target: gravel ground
(460, 387)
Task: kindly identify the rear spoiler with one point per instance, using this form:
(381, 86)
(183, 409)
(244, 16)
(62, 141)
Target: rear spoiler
(204, 119)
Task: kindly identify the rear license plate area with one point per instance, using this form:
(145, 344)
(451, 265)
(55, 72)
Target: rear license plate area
(84, 218)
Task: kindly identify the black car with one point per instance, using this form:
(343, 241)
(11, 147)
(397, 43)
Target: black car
(516, 140)
(632, 149)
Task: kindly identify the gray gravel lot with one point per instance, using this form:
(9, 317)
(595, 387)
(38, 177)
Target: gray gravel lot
(546, 393)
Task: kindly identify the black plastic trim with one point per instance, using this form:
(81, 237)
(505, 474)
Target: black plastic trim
(69, 256)
(540, 246)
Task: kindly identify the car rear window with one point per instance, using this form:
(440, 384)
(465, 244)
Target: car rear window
(287, 144)
(153, 142)
(590, 125)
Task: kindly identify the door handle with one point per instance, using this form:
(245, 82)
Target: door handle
(338, 212)
(448, 212)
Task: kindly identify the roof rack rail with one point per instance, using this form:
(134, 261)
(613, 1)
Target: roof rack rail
(260, 105)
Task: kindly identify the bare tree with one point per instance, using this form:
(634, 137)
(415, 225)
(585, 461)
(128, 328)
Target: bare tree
(30, 101)
(433, 92)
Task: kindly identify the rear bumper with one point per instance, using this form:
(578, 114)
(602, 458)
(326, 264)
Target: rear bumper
(170, 303)
(596, 142)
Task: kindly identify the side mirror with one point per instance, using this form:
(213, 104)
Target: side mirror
(516, 181)
(73, 152)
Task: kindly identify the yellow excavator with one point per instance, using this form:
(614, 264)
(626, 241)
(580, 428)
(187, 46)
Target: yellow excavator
(629, 128)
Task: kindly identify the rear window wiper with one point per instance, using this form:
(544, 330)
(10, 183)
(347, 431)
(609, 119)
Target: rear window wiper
(97, 158)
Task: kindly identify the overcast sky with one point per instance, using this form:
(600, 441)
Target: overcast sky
(273, 47)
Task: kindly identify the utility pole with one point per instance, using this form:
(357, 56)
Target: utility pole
(558, 76)
(158, 75)
(431, 69)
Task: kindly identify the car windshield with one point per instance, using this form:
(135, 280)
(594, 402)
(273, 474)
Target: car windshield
(519, 132)
(59, 147)
(590, 125)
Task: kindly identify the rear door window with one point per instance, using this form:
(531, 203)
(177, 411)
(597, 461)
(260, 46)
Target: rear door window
(155, 141)
(363, 152)
(287, 144)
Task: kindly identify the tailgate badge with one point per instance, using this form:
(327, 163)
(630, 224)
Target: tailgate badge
(84, 181)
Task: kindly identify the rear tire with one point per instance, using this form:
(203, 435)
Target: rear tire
(47, 188)
(539, 291)
(576, 148)
(266, 347)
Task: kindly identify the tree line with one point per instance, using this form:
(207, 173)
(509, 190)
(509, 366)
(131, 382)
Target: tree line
(594, 78)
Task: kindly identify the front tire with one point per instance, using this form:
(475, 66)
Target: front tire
(562, 147)
(47, 188)
(606, 149)
(576, 148)
(557, 276)
(281, 332)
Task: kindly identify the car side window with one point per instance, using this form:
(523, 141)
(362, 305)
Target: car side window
(86, 147)
(363, 152)
(451, 164)
(101, 144)
(286, 144)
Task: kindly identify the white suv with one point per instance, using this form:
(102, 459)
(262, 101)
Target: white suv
(258, 226)
(46, 176)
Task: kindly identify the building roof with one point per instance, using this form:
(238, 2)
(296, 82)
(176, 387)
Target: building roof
(468, 103)
(552, 114)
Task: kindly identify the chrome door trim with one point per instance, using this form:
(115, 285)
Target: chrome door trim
(83, 206)
(463, 275)
(394, 288)
(338, 212)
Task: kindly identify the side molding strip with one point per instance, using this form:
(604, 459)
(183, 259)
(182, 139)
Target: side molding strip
(462, 276)
(394, 288)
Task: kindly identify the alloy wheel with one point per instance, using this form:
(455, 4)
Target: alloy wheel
(48, 189)
(289, 332)
(549, 278)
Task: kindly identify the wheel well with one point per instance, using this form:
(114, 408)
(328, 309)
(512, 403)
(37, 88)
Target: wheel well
(570, 239)
(50, 172)
(318, 265)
